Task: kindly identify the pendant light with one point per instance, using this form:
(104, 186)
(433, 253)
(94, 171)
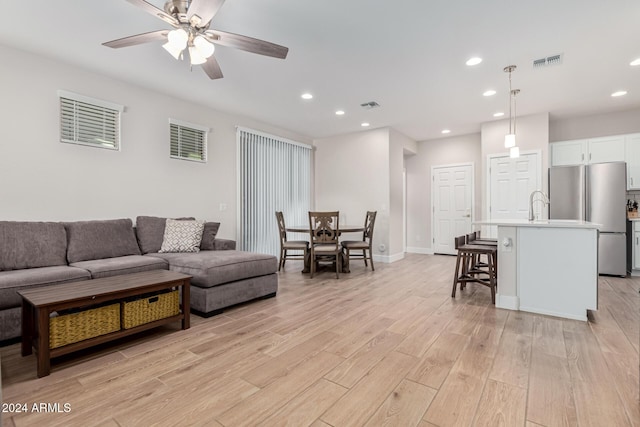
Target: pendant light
(510, 138)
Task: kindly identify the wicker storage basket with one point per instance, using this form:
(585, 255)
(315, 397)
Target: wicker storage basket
(149, 309)
(74, 327)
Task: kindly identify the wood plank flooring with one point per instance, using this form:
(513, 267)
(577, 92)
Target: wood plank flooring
(389, 347)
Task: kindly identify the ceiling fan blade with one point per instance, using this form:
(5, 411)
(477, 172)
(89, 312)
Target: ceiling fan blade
(158, 13)
(205, 10)
(138, 39)
(212, 68)
(248, 44)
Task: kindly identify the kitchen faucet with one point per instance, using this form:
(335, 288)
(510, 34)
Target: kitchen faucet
(544, 200)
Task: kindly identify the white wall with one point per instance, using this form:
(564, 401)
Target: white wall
(44, 179)
(436, 152)
(352, 176)
(399, 146)
(596, 125)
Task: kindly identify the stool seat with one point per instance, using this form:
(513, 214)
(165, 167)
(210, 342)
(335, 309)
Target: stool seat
(470, 270)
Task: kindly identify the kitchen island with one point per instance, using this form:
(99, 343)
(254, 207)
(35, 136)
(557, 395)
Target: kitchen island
(547, 266)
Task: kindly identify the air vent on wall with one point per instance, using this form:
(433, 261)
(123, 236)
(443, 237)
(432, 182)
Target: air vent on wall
(548, 61)
(369, 105)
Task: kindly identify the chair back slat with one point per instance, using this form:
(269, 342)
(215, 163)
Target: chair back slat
(369, 222)
(324, 227)
(281, 227)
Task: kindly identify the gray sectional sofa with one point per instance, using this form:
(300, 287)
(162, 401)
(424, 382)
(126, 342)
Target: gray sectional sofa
(34, 254)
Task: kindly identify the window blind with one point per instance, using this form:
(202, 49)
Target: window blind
(89, 122)
(274, 174)
(187, 141)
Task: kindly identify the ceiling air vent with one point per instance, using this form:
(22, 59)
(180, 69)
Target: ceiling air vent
(369, 105)
(548, 61)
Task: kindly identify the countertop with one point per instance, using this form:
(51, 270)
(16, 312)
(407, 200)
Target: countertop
(545, 223)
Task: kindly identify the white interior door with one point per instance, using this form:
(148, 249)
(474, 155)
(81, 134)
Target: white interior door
(511, 181)
(452, 197)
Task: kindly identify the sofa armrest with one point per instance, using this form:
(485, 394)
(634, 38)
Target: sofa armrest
(224, 244)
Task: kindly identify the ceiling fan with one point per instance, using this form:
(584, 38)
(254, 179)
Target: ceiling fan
(191, 20)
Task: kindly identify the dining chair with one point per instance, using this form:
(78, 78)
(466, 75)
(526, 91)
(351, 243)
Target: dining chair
(364, 245)
(324, 230)
(289, 245)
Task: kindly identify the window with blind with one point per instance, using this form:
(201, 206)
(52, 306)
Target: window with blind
(89, 121)
(274, 174)
(188, 141)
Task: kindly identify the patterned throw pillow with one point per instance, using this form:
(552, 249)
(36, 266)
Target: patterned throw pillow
(182, 236)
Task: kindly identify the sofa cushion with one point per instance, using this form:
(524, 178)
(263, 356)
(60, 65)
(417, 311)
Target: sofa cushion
(32, 244)
(182, 236)
(212, 268)
(12, 281)
(89, 240)
(150, 232)
(121, 265)
(209, 236)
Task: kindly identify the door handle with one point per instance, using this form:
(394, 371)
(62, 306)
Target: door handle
(467, 216)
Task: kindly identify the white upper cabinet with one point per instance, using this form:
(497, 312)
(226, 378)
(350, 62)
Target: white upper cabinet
(585, 151)
(607, 149)
(632, 158)
(568, 152)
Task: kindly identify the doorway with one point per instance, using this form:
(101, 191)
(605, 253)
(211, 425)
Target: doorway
(452, 205)
(510, 182)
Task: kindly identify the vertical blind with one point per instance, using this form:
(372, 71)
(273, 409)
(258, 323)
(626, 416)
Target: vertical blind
(274, 174)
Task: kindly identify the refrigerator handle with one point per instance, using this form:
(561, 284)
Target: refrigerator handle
(586, 207)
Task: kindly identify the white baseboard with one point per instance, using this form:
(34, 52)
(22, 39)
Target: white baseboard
(507, 301)
(388, 259)
(423, 251)
(635, 273)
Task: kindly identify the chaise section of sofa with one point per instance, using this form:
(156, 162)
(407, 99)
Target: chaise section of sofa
(221, 276)
(224, 278)
(32, 254)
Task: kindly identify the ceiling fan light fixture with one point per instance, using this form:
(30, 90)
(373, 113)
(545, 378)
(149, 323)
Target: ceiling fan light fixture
(203, 46)
(178, 38)
(196, 56)
(175, 52)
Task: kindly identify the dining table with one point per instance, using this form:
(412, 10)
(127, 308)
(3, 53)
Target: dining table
(342, 229)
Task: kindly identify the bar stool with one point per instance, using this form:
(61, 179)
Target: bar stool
(474, 239)
(468, 272)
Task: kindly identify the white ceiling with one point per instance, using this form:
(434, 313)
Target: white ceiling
(408, 55)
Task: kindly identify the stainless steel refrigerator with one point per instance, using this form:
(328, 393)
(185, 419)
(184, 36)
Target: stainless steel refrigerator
(595, 193)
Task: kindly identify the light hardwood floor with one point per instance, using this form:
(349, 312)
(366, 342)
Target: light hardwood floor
(389, 347)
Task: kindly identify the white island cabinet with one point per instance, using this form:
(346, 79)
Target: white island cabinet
(548, 267)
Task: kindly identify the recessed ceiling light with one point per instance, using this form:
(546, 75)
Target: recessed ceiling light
(446, 131)
(306, 96)
(635, 62)
(498, 114)
(339, 113)
(489, 93)
(473, 61)
(619, 93)
(364, 125)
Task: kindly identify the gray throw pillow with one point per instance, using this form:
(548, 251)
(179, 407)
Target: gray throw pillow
(209, 236)
(182, 236)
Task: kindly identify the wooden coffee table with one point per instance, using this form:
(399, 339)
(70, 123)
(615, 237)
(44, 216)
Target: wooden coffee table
(39, 303)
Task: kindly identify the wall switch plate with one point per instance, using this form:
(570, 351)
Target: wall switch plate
(223, 206)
